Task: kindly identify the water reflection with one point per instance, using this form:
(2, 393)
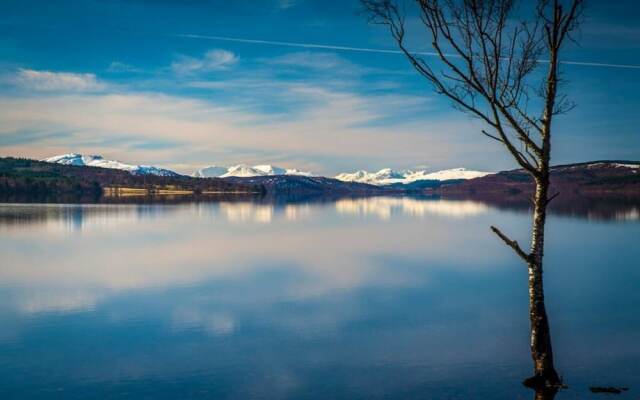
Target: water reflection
(385, 207)
(545, 394)
(380, 297)
(238, 212)
(74, 217)
(65, 217)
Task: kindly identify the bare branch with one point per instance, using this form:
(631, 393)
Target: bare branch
(512, 243)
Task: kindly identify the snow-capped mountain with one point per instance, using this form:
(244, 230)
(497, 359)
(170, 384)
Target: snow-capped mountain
(388, 176)
(245, 171)
(447, 174)
(385, 176)
(99, 161)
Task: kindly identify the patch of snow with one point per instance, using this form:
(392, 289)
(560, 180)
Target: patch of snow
(612, 164)
(385, 176)
(212, 171)
(270, 170)
(618, 165)
(242, 171)
(455, 173)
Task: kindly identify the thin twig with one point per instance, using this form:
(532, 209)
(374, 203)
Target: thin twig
(492, 136)
(552, 197)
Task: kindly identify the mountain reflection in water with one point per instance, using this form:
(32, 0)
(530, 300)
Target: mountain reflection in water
(265, 210)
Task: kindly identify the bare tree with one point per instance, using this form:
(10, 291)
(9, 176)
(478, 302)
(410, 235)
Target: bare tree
(488, 60)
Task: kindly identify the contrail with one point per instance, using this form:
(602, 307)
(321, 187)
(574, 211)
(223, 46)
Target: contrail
(374, 50)
(305, 45)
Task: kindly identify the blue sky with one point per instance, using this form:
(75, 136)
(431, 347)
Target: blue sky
(139, 81)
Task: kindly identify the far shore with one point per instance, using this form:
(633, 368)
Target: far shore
(111, 191)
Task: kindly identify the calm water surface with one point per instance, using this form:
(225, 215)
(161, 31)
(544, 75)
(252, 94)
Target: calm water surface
(393, 298)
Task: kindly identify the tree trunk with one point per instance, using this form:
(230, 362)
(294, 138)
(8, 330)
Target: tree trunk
(541, 351)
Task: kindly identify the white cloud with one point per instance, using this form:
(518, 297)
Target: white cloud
(49, 81)
(213, 60)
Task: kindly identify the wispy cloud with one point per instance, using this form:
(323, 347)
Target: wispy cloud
(212, 60)
(608, 35)
(318, 61)
(48, 81)
(284, 4)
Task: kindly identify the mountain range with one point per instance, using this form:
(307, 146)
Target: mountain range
(383, 177)
(246, 171)
(388, 176)
(93, 176)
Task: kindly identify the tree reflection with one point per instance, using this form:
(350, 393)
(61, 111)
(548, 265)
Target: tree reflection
(545, 394)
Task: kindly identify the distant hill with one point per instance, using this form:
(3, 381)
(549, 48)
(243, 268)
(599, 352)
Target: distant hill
(590, 179)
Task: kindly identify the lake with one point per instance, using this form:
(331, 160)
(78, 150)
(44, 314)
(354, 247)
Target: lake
(364, 298)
